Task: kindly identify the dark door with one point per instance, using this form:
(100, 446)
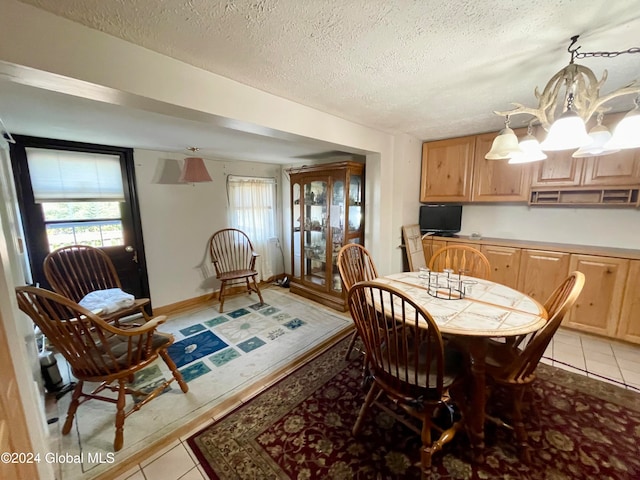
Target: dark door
(81, 217)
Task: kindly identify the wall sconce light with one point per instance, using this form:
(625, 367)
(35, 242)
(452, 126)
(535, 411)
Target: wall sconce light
(194, 170)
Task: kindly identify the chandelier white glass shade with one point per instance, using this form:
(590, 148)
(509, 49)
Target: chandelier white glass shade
(600, 137)
(504, 145)
(570, 98)
(627, 132)
(529, 150)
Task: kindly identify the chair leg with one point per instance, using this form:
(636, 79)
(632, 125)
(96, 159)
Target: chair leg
(174, 370)
(426, 450)
(221, 295)
(518, 425)
(255, 284)
(373, 391)
(120, 416)
(352, 342)
(73, 406)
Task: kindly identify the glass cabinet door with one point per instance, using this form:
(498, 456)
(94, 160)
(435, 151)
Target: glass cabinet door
(296, 215)
(336, 223)
(314, 235)
(355, 203)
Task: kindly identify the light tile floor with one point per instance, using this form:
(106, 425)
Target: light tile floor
(599, 358)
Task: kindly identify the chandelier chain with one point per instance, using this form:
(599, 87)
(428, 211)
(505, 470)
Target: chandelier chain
(576, 54)
(606, 54)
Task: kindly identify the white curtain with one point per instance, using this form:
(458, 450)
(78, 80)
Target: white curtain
(252, 209)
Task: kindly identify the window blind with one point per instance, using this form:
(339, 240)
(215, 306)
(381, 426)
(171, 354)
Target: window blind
(61, 175)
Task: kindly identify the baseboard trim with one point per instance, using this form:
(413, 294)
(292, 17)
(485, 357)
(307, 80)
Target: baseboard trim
(202, 300)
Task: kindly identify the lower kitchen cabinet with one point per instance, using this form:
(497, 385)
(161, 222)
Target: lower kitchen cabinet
(541, 271)
(599, 305)
(505, 263)
(629, 327)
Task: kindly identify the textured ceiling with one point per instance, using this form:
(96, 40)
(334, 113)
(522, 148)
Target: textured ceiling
(428, 68)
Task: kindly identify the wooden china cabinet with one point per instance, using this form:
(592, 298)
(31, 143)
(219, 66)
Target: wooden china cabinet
(327, 207)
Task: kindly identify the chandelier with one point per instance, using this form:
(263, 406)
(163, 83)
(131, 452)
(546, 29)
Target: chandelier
(573, 96)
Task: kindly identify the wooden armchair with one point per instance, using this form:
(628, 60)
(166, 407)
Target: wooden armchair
(406, 360)
(78, 270)
(461, 258)
(355, 265)
(234, 259)
(512, 364)
(98, 351)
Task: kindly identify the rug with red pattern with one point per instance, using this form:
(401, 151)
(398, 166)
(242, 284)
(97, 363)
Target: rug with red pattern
(301, 429)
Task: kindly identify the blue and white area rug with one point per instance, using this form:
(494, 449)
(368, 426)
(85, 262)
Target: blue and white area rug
(218, 354)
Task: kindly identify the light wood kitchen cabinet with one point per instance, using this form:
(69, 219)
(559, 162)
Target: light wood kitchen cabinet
(430, 246)
(541, 271)
(609, 304)
(621, 168)
(447, 167)
(560, 169)
(629, 327)
(599, 305)
(497, 180)
(505, 263)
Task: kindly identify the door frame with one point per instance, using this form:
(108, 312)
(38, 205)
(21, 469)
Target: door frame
(36, 241)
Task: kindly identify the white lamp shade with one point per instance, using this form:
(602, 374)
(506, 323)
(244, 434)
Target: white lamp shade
(627, 132)
(503, 146)
(566, 133)
(600, 136)
(194, 171)
(529, 151)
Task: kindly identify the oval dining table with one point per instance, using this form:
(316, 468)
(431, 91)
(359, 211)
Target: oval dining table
(487, 310)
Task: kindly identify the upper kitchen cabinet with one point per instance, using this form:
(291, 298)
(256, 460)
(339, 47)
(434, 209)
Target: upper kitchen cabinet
(447, 168)
(558, 170)
(498, 180)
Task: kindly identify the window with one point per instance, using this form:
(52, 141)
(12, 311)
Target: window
(252, 209)
(80, 194)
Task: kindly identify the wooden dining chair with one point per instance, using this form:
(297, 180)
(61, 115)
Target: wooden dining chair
(355, 265)
(234, 260)
(98, 351)
(407, 363)
(461, 259)
(78, 270)
(513, 364)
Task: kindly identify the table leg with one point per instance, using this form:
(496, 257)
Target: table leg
(476, 414)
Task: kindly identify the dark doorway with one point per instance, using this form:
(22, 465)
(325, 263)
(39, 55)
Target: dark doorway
(83, 214)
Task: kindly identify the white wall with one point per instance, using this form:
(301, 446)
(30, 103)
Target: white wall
(605, 227)
(73, 51)
(178, 219)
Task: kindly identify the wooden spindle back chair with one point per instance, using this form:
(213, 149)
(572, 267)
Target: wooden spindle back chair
(461, 259)
(513, 364)
(234, 260)
(98, 351)
(355, 265)
(406, 361)
(77, 270)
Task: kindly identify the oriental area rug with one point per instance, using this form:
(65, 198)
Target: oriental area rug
(300, 428)
(220, 355)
